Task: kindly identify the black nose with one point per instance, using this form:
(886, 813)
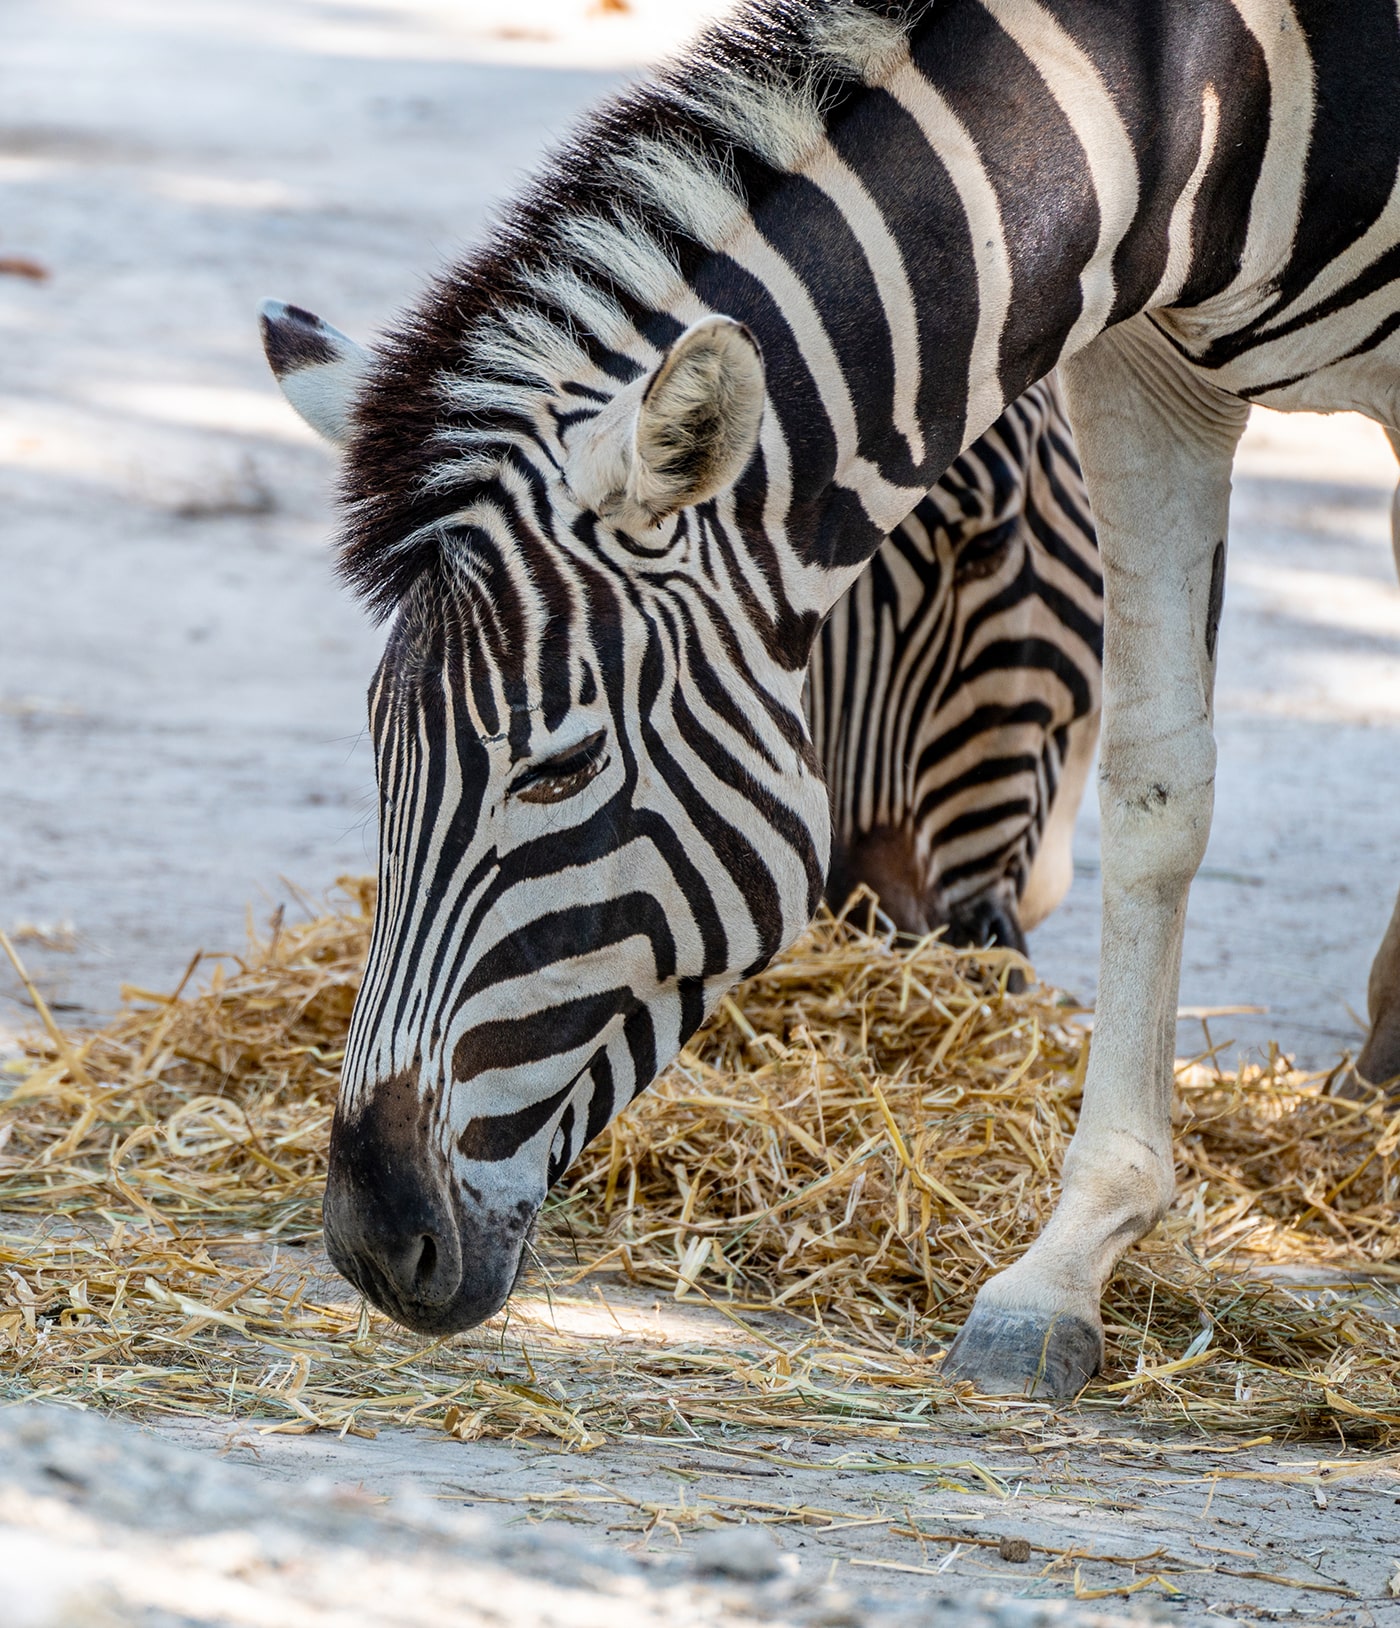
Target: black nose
(392, 1228)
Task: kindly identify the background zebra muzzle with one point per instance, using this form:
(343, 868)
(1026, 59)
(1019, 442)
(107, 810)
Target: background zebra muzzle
(394, 1229)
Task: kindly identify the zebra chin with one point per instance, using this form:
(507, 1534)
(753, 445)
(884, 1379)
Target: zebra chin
(396, 1231)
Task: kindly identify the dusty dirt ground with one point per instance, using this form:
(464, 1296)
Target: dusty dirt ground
(1089, 1505)
(1014, 1517)
(104, 1526)
(181, 699)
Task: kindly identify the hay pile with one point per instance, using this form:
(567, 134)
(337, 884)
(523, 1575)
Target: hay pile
(859, 1137)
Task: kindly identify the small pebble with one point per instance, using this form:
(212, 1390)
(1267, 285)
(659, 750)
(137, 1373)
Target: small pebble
(1016, 1550)
(743, 1552)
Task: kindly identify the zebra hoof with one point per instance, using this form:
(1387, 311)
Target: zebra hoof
(1025, 1353)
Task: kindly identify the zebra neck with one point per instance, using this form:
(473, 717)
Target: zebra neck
(918, 206)
(1021, 176)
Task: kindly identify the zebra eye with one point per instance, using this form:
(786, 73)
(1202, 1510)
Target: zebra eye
(983, 552)
(559, 777)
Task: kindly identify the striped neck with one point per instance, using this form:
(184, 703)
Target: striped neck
(917, 210)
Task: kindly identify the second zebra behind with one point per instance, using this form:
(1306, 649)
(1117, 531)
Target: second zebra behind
(954, 692)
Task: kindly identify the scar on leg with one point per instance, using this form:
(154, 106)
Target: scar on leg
(1157, 797)
(1215, 604)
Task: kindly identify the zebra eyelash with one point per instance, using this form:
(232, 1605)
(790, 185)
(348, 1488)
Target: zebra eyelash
(556, 778)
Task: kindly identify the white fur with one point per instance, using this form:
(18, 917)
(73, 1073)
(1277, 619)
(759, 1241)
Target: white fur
(592, 310)
(862, 45)
(527, 345)
(627, 253)
(686, 189)
(473, 456)
(483, 394)
(1157, 446)
(782, 124)
(1180, 243)
(1393, 436)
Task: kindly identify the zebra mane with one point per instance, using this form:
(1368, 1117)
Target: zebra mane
(573, 281)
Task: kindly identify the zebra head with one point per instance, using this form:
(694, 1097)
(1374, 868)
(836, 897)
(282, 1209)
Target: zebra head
(599, 808)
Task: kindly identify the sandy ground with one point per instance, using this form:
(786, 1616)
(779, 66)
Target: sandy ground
(181, 705)
(1018, 1519)
(105, 1526)
(1087, 1506)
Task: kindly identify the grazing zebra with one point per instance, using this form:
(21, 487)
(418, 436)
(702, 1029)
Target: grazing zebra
(611, 473)
(953, 694)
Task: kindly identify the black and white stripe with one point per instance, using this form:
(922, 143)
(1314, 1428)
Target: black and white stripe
(954, 692)
(612, 472)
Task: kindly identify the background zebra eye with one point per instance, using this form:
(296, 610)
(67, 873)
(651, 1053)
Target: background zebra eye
(982, 552)
(559, 777)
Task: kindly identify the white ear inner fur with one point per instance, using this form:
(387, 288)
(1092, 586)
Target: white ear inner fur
(322, 395)
(677, 437)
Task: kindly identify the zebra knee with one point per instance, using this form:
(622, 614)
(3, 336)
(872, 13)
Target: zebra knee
(1157, 814)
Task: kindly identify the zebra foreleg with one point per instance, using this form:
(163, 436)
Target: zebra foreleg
(1379, 1062)
(1157, 448)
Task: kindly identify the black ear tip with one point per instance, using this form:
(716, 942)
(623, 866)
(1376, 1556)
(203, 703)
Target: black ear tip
(294, 338)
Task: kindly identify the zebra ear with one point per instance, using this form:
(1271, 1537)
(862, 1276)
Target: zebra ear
(683, 434)
(317, 366)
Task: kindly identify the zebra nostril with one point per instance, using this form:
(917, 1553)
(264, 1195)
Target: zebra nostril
(396, 1230)
(425, 1268)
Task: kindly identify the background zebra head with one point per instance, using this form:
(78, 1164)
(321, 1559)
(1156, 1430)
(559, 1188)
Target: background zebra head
(954, 691)
(599, 808)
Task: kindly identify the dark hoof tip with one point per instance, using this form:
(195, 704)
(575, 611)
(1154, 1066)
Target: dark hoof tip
(1025, 1353)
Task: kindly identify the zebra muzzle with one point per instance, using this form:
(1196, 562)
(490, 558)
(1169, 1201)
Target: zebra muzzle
(394, 1230)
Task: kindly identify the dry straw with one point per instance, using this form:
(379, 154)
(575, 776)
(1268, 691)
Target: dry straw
(862, 1134)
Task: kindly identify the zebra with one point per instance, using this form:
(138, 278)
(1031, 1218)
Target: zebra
(953, 693)
(611, 471)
